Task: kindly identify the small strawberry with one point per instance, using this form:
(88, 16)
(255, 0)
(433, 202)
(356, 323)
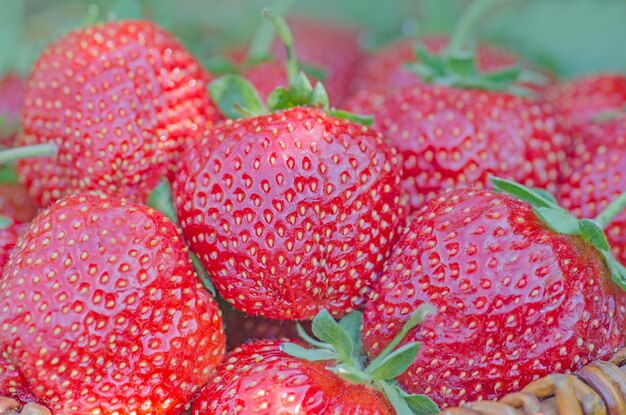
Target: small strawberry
(391, 67)
(328, 377)
(460, 126)
(583, 99)
(242, 328)
(293, 211)
(595, 176)
(113, 106)
(523, 289)
(11, 101)
(101, 311)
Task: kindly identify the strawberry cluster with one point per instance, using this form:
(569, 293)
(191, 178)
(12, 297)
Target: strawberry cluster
(177, 241)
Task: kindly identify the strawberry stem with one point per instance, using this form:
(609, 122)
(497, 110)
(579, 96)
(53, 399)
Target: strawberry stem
(283, 32)
(467, 23)
(611, 211)
(261, 46)
(19, 153)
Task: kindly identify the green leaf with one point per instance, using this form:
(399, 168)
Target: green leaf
(558, 220)
(161, 199)
(396, 363)
(506, 75)
(326, 329)
(618, 271)
(313, 342)
(5, 222)
(395, 398)
(311, 355)
(547, 195)
(352, 325)
(462, 66)
(301, 89)
(125, 9)
(522, 192)
(419, 404)
(366, 120)
(8, 175)
(319, 97)
(351, 373)
(594, 234)
(434, 62)
(279, 99)
(232, 91)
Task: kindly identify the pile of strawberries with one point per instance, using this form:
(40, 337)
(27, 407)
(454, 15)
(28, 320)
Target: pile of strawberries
(188, 242)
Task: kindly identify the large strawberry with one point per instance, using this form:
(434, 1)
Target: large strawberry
(595, 176)
(461, 125)
(101, 311)
(523, 289)
(583, 99)
(392, 66)
(9, 232)
(327, 377)
(12, 383)
(116, 102)
(291, 211)
(11, 101)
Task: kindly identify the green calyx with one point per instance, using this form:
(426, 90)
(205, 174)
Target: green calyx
(458, 67)
(606, 116)
(162, 200)
(236, 97)
(5, 222)
(341, 342)
(561, 221)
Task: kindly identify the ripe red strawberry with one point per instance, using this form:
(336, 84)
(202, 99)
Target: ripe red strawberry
(120, 100)
(10, 229)
(16, 202)
(516, 299)
(386, 69)
(12, 383)
(595, 176)
(584, 98)
(290, 212)
(258, 378)
(11, 101)
(101, 311)
(451, 137)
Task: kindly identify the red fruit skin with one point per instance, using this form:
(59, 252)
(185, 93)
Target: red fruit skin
(450, 137)
(515, 300)
(257, 378)
(8, 239)
(121, 100)
(595, 177)
(12, 383)
(385, 70)
(243, 328)
(100, 310)
(582, 99)
(16, 202)
(290, 212)
(11, 102)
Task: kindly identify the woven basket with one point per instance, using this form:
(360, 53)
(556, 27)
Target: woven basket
(596, 389)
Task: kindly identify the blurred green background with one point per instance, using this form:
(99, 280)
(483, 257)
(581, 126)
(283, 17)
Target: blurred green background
(571, 37)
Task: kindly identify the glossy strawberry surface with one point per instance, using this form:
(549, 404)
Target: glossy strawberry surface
(11, 102)
(291, 212)
(516, 301)
(101, 311)
(582, 99)
(12, 383)
(8, 239)
(450, 137)
(596, 176)
(385, 69)
(121, 100)
(259, 379)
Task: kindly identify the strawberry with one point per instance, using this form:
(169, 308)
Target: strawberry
(326, 377)
(12, 383)
(10, 229)
(117, 102)
(596, 176)
(389, 68)
(451, 137)
(101, 311)
(11, 101)
(523, 289)
(585, 98)
(16, 202)
(242, 328)
(292, 211)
